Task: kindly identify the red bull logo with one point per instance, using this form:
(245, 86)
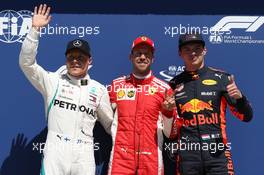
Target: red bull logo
(229, 163)
(200, 119)
(195, 106)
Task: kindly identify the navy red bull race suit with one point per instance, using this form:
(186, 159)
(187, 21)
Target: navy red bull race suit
(201, 101)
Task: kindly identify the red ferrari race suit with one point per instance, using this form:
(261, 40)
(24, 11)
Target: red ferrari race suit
(201, 101)
(138, 125)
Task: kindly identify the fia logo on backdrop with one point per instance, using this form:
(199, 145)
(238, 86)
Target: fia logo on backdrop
(14, 25)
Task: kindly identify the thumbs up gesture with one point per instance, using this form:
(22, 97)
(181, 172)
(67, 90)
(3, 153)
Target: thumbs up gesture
(232, 88)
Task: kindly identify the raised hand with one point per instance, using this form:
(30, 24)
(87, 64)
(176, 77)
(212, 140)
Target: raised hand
(169, 101)
(232, 88)
(41, 16)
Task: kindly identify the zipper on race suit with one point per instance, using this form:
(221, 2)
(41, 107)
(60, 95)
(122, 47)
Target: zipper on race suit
(78, 113)
(137, 133)
(196, 82)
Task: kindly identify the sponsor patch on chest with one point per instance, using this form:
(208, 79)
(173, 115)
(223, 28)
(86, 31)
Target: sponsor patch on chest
(209, 93)
(126, 94)
(209, 82)
(74, 107)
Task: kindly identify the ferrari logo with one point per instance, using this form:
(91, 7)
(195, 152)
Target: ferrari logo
(143, 38)
(152, 90)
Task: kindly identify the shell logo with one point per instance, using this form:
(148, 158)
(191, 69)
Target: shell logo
(121, 94)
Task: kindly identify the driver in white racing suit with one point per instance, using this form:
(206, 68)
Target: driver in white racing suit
(73, 103)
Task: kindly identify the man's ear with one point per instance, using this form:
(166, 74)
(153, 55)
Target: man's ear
(179, 52)
(204, 51)
(90, 60)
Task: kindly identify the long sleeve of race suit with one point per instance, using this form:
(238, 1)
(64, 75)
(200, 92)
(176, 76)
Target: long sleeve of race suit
(105, 112)
(169, 120)
(240, 108)
(27, 61)
(169, 125)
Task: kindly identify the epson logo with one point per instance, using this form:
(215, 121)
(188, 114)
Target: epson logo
(250, 23)
(14, 25)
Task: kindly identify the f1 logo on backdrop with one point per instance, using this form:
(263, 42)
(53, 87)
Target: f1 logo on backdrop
(226, 30)
(14, 25)
(250, 23)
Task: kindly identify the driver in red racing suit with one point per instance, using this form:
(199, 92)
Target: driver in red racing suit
(144, 108)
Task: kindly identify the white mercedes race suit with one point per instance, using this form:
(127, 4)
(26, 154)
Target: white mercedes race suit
(72, 108)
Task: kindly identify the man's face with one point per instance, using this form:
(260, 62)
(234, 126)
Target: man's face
(141, 58)
(193, 55)
(77, 63)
